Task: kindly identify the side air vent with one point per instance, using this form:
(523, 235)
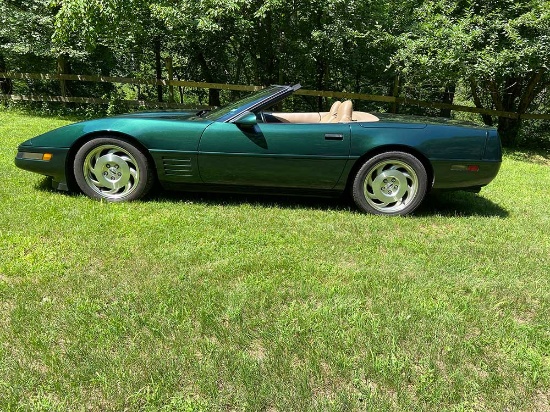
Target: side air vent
(177, 167)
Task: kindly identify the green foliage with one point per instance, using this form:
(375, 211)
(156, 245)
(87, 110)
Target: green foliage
(497, 51)
(504, 46)
(26, 27)
(113, 23)
(486, 40)
(323, 45)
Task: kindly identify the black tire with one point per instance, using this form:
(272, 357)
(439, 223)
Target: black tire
(390, 184)
(112, 169)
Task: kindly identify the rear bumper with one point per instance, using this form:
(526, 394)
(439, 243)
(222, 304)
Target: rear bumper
(459, 174)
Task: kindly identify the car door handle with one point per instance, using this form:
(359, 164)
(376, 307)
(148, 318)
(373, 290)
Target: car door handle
(334, 136)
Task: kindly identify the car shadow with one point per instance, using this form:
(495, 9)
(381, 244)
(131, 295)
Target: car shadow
(452, 203)
(235, 199)
(461, 204)
(455, 203)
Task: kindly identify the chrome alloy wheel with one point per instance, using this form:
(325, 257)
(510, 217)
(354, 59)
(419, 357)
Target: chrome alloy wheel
(390, 186)
(111, 171)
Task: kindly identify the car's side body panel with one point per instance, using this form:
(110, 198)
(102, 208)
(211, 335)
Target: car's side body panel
(433, 141)
(280, 154)
(171, 141)
(277, 155)
(449, 149)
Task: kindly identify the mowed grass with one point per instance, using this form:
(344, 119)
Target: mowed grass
(200, 302)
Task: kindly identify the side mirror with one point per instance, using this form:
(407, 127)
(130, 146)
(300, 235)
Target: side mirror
(248, 119)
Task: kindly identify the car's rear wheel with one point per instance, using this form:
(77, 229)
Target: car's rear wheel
(391, 183)
(112, 169)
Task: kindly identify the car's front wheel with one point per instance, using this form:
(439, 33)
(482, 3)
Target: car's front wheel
(112, 169)
(391, 183)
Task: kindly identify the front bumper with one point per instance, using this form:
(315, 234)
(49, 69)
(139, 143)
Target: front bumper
(47, 161)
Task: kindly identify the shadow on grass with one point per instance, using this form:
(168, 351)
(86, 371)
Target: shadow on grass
(461, 204)
(275, 200)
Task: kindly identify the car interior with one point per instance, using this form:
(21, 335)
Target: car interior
(340, 112)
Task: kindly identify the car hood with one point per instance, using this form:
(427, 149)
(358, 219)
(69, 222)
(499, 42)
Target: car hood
(132, 124)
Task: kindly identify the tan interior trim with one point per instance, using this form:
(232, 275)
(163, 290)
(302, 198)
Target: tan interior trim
(363, 117)
(315, 117)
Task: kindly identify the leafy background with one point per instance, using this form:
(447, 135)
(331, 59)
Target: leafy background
(491, 54)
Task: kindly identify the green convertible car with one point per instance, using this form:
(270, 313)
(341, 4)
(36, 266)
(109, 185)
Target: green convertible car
(387, 163)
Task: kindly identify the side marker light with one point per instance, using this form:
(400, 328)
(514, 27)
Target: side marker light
(465, 168)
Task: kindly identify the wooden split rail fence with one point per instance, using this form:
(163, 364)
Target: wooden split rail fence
(395, 100)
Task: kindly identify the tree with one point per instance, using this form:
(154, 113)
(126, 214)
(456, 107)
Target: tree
(26, 27)
(203, 34)
(115, 25)
(500, 48)
(342, 45)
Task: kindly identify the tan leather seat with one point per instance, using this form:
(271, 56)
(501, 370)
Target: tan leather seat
(313, 117)
(333, 112)
(345, 112)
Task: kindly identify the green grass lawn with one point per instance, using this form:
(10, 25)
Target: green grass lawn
(198, 303)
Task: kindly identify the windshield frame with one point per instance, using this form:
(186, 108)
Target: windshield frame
(251, 103)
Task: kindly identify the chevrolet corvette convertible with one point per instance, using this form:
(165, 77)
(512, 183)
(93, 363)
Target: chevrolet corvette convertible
(387, 163)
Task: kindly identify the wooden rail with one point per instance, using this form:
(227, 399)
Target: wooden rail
(94, 100)
(237, 87)
(128, 80)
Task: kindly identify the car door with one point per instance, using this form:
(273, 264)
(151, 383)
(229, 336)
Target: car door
(274, 154)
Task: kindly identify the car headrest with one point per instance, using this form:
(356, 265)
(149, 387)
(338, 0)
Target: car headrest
(345, 112)
(333, 112)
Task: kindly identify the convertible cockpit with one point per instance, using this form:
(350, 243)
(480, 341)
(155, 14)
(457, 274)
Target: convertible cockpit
(340, 112)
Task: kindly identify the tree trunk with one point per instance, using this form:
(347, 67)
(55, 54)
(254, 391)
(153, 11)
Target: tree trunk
(158, 66)
(320, 76)
(508, 129)
(395, 93)
(5, 84)
(321, 66)
(533, 87)
(170, 69)
(214, 97)
(63, 67)
(518, 89)
(213, 94)
(448, 97)
(487, 119)
(269, 52)
(512, 92)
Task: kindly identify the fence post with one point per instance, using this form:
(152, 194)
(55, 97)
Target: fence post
(61, 69)
(5, 83)
(158, 66)
(395, 94)
(170, 69)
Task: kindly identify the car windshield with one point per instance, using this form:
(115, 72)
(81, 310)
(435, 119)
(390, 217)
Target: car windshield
(225, 112)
